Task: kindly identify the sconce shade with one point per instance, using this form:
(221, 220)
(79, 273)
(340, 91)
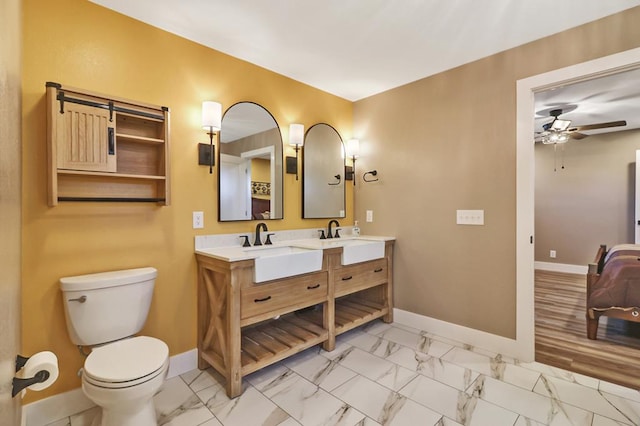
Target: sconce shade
(296, 134)
(353, 148)
(211, 116)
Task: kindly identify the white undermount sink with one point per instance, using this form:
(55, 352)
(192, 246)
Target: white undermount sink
(284, 261)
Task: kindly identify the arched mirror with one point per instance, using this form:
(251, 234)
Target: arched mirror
(323, 193)
(249, 165)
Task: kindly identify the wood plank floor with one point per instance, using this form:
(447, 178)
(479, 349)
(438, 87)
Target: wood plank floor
(561, 333)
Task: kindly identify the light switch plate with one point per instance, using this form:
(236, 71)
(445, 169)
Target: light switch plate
(369, 215)
(470, 217)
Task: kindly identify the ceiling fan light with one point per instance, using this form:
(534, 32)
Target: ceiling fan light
(560, 125)
(555, 138)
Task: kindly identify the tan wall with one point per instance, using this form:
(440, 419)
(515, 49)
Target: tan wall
(80, 44)
(447, 142)
(10, 197)
(589, 202)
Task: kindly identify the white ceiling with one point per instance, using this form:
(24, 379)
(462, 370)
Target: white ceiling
(357, 48)
(604, 99)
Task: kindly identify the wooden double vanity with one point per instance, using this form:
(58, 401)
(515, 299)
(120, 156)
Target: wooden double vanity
(244, 326)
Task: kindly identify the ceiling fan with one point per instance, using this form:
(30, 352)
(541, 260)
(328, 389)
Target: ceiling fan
(558, 131)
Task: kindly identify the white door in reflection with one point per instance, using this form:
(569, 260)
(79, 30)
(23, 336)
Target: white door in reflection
(235, 194)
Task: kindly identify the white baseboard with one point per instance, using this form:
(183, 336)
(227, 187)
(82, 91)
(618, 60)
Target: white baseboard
(56, 407)
(183, 363)
(477, 338)
(561, 267)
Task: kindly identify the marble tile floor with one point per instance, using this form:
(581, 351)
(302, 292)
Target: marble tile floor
(389, 374)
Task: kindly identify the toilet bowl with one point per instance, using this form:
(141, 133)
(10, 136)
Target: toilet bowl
(122, 377)
(122, 373)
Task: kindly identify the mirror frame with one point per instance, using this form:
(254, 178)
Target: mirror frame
(342, 174)
(275, 155)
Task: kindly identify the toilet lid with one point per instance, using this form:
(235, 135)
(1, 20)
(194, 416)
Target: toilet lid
(126, 360)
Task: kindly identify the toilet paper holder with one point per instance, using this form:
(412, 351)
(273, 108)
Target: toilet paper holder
(20, 384)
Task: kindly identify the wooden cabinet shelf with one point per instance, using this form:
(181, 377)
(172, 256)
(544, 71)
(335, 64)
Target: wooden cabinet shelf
(141, 139)
(243, 326)
(102, 148)
(350, 312)
(278, 339)
(110, 175)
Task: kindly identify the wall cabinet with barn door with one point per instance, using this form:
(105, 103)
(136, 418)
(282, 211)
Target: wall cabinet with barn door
(102, 148)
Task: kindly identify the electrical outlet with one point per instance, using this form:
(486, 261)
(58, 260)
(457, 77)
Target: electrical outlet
(552, 254)
(369, 215)
(198, 220)
(470, 217)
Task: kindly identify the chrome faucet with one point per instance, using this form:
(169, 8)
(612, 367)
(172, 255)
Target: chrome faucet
(263, 226)
(330, 234)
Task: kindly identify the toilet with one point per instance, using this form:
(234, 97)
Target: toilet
(123, 372)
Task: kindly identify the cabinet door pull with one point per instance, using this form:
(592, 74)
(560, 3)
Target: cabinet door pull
(264, 299)
(378, 270)
(347, 278)
(112, 141)
(312, 287)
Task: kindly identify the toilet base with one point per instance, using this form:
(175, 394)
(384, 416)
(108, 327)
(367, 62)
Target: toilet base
(128, 406)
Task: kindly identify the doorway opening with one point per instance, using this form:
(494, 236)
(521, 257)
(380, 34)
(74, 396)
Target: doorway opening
(526, 90)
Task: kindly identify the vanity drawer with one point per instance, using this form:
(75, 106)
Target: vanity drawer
(267, 300)
(349, 279)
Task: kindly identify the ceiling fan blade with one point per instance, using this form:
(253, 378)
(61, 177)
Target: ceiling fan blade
(577, 135)
(598, 126)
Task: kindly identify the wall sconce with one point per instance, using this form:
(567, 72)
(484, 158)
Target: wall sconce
(296, 139)
(353, 151)
(211, 122)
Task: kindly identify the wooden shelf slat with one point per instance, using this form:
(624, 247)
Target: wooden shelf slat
(310, 326)
(281, 336)
(364, 304)
(157, 120)
(302, 333)
(254, 350)
(273, 345)
(110, 175)
(139, 138)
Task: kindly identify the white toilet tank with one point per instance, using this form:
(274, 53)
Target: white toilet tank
(107, 306)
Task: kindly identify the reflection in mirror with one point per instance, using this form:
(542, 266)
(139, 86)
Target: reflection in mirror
(323, 194)
(250, 165)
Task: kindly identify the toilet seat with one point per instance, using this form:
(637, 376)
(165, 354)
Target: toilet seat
(126, 363)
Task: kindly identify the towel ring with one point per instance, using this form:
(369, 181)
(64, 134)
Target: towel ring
(372, 173)
(339, 180)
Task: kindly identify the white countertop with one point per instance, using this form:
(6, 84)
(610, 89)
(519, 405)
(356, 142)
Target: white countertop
(236, 253)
